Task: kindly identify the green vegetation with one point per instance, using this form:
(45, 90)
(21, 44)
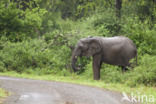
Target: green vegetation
(37, 38)
(3, 95)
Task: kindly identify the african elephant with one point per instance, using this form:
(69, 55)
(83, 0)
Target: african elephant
(116, 50)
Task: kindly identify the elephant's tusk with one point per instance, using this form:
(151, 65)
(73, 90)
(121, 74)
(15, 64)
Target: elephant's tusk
(76, 57)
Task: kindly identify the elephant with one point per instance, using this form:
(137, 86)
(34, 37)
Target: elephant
(117, 50)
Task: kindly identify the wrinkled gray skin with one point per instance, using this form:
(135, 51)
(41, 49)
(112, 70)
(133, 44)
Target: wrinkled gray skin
(111, 50)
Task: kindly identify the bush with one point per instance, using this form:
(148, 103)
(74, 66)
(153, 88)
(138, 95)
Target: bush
(34, 54)
(145, 73)
(17, 24)
(107, 24)
(142, 35)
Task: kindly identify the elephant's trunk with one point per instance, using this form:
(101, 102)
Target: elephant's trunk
(74, 60)
(75, 55)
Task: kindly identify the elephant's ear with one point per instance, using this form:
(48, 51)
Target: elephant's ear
(94, 47)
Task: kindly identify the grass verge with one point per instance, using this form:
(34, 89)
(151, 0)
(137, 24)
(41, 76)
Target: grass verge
(138, 90)
(3, 95)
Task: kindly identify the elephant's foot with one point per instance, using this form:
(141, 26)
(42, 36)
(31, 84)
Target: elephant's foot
(96, 78)
(124, 68)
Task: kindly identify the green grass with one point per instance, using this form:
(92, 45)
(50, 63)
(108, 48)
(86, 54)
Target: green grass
(141, 89)
(3, 95)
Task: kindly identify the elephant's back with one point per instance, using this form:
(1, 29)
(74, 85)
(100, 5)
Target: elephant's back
(118, 49)
(116, 39)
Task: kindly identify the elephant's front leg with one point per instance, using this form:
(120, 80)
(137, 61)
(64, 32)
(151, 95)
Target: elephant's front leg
(96, 66)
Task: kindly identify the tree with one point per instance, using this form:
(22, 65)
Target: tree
(118, 8)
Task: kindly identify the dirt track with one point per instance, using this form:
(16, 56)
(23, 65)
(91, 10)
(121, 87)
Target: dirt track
(26, 91)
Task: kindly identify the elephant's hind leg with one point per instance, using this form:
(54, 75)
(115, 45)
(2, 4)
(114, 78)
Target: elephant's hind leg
(125, 64)
(124, 68)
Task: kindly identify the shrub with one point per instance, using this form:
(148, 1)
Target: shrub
(107, 24)
(145, 73)
(34, 54)
(17, 24)
(142, 35)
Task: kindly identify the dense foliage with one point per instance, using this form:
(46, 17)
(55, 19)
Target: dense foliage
(38, 36)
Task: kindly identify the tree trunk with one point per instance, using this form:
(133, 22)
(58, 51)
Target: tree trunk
(118, 8)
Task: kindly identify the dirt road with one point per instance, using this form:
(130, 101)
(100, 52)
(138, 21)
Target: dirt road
(26, 91)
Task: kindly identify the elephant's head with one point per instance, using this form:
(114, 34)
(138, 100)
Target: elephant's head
(85, 47)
